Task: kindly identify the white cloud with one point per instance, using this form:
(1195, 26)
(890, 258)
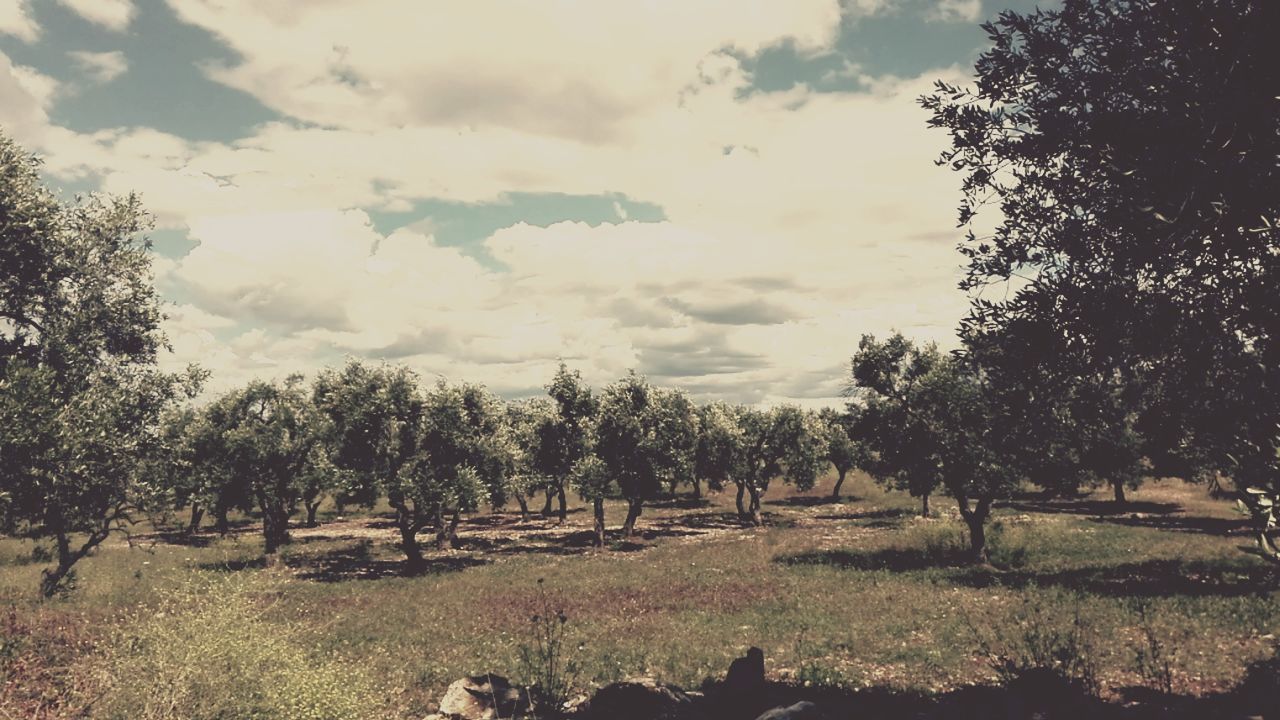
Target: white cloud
(968, 11)
(102, 67)
(795, 220)
(25, 98)
(16, 20)
(111, 14)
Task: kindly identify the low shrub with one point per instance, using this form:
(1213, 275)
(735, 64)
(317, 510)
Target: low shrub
(206, 651)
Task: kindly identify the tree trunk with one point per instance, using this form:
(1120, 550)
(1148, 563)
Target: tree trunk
(697, 489)
(564, 505)
(524, 507)
(452, 532)
(598, 511)
(221, 524)
(976, 519)
(311, 512)
(924, 505)
(197, 514)
(340, 505)
(1118, 487)
(441, 531)
(275, 526)
(634, 507)
(546, 508)
(742, 509)
(754, 510)
(409, 525)
(835, 492)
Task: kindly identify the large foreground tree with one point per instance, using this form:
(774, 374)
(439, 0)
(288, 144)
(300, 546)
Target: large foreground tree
(80, 395)
(1130, 148)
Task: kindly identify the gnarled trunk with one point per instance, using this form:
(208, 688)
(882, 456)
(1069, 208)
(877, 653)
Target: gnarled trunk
(311, 511)
(597, 507)
(524, 507)
(754, 510)
(564, 505)
(634, 507)
(976, 519)
(197, 514)
(409, 523)
(924, 505)
(1118, 487)
(697, 489)
(742, 509)
(546, 508)
(835, 491)
(275, 524)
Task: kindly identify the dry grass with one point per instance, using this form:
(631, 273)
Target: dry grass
(858, 593)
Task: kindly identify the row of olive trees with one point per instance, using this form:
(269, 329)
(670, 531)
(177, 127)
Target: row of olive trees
(364, 432)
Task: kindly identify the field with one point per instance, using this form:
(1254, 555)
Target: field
(859, 595)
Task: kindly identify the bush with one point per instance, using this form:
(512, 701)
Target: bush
(207, 652)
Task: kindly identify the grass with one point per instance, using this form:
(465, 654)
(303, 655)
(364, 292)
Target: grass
(858, 594)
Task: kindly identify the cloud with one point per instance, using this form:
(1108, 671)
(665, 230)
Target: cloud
(101, 67)
(967, 11)
(16, 20)
(826, 218)
(111, 14)
(25, 98)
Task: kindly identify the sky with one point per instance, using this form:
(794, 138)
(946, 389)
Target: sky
(723, 195)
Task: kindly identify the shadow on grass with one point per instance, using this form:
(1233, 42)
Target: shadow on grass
(813, 500)
(1074, 506)
(1221, 527)
(1151, 578)
(876, 518)
(892, 559)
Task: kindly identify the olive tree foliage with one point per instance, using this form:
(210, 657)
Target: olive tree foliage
(785, 442)
(718, 442)
(80, 394)
(1128, 150)
(646, 437)
(525, 423)
(370, 409)
(562, 441)
(271, 435)
(845, 449)
(459, 460)
(590, 476)
(937, 425)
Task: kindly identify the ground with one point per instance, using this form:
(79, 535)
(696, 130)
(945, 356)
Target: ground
(854, 594)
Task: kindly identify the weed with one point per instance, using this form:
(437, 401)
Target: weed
(548, 667)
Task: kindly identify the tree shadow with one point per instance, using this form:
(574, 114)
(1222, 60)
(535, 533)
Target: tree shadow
(893, 517)
(1150, 578)
(1220, 527)
(357, 563)
(892, 559)
(813, 500)
(1081, 506)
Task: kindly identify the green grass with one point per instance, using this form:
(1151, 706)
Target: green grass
(860, 594)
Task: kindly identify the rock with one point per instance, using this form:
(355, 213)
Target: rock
(483, 697)
(642, 699)
(800, 711)
(742, 694)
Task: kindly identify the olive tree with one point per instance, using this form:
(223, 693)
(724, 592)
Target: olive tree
(458, 463)
(942, 425)
(1124, 151)
(374, 415)
(271, 435)
(80, 394)
(562, 439)
(645, 436)
(785, 442)
(845, 449)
